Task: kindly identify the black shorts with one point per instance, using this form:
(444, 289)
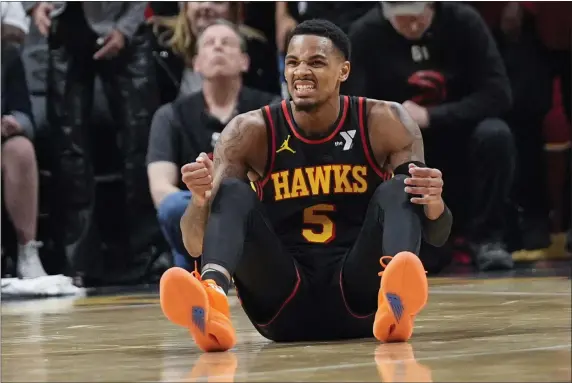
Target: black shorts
(314, 310)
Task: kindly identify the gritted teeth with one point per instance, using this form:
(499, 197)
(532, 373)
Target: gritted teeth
(304, 86)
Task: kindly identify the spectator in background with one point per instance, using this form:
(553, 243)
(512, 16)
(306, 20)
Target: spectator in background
(534, 40)
(169, 65)
(553, 21)
(19, 167)
(179, 35)
(554, 24)
(192, 124)
(86, 39)
(440, 61)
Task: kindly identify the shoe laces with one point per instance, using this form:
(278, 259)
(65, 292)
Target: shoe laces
(384, 264)
(207, 283)
(195, 273)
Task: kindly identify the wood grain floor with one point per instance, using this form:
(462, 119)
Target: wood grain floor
(495, 330)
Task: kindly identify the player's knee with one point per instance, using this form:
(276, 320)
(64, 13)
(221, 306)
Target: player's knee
(392, 191)
(234, 192)
(235, 186)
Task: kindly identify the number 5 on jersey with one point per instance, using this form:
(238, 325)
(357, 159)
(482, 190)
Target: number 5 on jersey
(316, 215)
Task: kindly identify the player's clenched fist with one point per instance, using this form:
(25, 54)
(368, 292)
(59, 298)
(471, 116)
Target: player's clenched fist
(198, 176)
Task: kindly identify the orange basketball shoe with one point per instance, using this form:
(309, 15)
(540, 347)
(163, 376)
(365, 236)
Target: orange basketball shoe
(201, 306)
(402, 295)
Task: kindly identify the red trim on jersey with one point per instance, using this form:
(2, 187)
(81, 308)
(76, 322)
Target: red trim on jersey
(272, 146)
(305, 140)
(346, 303)
(256, 188)
(364, 141)
(259, 190)
(290, 297)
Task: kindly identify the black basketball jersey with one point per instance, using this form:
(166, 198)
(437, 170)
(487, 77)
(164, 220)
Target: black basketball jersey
(316, 190)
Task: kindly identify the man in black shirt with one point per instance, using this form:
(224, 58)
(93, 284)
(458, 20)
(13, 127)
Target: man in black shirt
(181, 130)
(441, 62)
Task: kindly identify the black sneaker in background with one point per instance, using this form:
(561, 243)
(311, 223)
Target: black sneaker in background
(491, 256)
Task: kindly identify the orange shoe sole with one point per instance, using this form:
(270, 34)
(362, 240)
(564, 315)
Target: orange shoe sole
(403, 294)
(185, 302)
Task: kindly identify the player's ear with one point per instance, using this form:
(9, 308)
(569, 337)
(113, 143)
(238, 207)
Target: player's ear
(345, 71)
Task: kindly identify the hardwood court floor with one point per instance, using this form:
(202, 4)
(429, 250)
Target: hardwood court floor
(515, 329)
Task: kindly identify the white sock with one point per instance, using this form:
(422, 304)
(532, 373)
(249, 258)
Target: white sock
(29, 263)
(217, 288)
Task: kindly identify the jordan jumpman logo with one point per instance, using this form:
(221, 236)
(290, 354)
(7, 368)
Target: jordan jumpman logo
(286, 146)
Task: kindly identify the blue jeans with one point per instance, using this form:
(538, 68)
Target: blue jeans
(169, 214)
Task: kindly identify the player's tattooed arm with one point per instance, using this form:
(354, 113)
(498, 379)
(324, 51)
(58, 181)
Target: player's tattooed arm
(399, 140)
(406, 141)
(395, 137)
(231, 160)
(240, 149)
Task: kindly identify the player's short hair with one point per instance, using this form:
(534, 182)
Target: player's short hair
(324, 28)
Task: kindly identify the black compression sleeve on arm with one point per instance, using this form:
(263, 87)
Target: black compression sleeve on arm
(436, 232)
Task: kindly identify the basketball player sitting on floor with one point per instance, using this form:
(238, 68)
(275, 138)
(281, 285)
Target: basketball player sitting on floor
(340, 183)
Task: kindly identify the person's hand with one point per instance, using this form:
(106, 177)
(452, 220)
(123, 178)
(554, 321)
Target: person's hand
(41, 17)
(198, 176)
(418, 113)
(427, 186)
(10, 126)
(112, 45)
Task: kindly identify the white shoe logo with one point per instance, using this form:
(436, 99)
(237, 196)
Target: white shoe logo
(348, 138)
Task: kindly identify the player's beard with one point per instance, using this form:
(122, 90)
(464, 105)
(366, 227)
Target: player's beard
(306, 106)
